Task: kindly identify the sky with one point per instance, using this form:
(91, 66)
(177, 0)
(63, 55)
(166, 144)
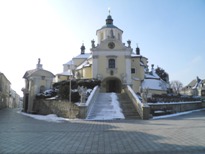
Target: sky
(170, 33)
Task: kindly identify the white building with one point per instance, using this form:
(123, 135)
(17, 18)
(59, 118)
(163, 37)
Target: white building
(36, 81)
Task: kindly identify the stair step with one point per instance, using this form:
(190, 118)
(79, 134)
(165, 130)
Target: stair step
(128, 108)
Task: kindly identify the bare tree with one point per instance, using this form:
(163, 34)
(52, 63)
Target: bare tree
(176, 86)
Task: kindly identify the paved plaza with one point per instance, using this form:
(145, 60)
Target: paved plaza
(177, 135)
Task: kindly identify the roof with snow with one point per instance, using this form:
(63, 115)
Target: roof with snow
(86, 63)
(134, 55)
(152, 75)
(69, 62)
(154, 84)
(66, 73)
(194, 83)
(83, 56)
(34, 71)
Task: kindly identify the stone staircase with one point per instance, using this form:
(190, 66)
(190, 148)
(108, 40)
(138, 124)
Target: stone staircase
(127, 107)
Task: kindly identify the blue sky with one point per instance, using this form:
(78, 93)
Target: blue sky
(170, 33)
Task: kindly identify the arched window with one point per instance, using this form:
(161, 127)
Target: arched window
(119, 38)
(111, 63)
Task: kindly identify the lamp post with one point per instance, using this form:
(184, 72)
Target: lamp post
(71, 75)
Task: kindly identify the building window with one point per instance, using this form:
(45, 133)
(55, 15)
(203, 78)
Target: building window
(133, 70)
(119, 38)
(111, 63)
(43, 77)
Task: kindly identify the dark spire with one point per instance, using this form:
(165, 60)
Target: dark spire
(82, 49)
(137, 50)
(109, 20)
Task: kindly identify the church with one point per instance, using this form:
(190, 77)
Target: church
(114, 63)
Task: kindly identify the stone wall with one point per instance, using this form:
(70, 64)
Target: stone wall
(61, 108)
(174, 107)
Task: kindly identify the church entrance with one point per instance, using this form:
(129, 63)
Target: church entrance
(113, 85)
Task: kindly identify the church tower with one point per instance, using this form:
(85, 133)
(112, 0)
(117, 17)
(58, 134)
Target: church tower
(111, 58)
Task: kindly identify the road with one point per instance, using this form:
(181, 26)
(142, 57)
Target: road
(177, 135)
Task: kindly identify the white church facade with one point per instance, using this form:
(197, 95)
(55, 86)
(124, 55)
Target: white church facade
(114, 63)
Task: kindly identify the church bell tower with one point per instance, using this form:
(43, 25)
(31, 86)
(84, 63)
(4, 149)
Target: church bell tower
(111, 58)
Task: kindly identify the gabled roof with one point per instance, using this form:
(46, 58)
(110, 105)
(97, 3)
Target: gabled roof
(31, 72)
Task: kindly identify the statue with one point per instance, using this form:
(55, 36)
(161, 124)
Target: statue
(124, 78)
(129, 43)
(83, 93)
(93, 43)
(39, 60)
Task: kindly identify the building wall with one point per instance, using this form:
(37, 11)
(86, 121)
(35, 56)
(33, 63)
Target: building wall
(4, 91)
(78, 61)
(87, 72)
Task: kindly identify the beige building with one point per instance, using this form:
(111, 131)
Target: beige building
(114, 63)
(36, 81)
(4, 91)
(195, 88)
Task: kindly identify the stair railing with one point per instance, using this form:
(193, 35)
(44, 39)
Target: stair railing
(142, 108)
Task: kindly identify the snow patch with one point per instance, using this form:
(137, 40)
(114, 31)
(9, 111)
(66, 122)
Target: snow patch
(48, 118)
(106, 107)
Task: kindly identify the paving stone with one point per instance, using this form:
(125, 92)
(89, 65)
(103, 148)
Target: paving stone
(177, 135)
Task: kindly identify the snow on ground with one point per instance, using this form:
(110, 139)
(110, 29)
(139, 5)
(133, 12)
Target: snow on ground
(177, 114)
(48, 118)
(106, 107)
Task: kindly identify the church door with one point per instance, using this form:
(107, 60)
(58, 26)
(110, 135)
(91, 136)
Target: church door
(113, 85)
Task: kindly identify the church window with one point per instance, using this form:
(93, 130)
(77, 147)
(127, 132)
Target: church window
(111, 63)
(43, 77)
(119, 36)
(133, 70)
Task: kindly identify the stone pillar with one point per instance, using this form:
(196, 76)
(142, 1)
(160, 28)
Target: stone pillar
(128, 69)
(95, 66)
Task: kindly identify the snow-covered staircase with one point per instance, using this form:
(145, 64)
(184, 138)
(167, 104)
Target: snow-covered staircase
(127, 106)
(106, 107)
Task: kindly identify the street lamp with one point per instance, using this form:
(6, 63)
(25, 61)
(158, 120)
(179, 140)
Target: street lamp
(71, 75)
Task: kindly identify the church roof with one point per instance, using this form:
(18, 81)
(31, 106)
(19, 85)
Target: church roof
(66, 73)
(154, 84)
(83, 56)
(31, 72)
(109, 23)
(133, 55)
(86, 63)
(150, 76)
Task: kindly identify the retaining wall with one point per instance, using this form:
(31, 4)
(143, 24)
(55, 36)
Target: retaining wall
(61, 108)
(175, 107)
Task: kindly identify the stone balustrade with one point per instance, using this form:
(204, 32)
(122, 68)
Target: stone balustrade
(142, 108)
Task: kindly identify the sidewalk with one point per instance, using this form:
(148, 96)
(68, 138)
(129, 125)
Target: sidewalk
(177, 135)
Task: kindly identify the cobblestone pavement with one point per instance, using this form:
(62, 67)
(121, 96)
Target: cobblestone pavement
(177, 135)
